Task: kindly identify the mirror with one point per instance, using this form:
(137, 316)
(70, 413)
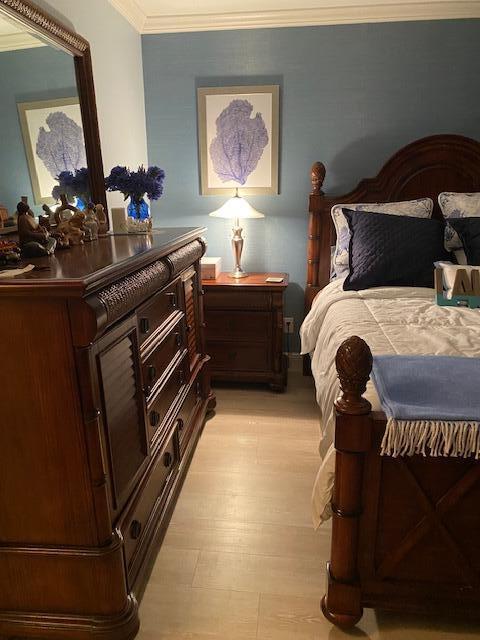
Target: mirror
(48, 123)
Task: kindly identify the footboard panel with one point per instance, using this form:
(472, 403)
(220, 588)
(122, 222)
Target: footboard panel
(406, 530)
(419, 531)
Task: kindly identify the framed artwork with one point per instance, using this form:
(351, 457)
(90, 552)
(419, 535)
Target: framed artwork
(238, 139)
(53, 138)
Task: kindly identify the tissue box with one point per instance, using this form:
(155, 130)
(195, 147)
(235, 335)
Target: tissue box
(211, 268)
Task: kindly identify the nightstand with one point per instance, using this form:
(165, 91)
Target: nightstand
(244, 328)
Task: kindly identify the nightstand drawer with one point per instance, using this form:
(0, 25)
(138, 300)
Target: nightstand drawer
(237, 299)
(245, 326)
(229, 356)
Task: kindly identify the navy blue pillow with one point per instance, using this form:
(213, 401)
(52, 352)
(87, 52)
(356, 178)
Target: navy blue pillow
(469, 231)
(392, 251)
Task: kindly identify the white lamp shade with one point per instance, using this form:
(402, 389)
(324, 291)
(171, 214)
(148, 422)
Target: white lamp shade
(236, 207)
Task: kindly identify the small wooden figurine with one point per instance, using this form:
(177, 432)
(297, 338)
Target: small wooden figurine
(91, 223)
(64, 211)
(102, 220)
(35, 241)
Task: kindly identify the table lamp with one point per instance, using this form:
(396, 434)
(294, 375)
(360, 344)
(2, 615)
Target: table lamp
(237, 208)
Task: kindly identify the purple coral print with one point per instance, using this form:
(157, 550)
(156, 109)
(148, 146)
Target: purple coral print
(61, 148)
(239, 143)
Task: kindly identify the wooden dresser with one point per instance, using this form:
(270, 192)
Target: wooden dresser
(105, 387)
(244, 320)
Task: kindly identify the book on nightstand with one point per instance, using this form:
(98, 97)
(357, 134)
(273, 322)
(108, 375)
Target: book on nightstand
(211, 268)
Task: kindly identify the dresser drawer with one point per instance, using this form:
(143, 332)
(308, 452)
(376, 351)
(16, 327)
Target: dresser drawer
(237, 299)
(156, 364)
(134, 525)
(236, 356)
(159, 407)
(160, 308)
(249, 326)
(186, 415)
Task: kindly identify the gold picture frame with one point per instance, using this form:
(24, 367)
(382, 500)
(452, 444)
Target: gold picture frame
(254, 172)
(32, 116)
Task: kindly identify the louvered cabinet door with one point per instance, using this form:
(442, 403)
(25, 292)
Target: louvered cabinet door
(125, 434)
(190, 286)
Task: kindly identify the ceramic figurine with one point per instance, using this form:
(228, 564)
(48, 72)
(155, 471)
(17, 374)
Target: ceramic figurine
(64, 211)
(35, 241)
(91, 223)
(102, 220)
(73, 228)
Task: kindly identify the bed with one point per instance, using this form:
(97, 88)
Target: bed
(405, 530)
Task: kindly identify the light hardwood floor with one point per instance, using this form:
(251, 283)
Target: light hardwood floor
(240, 560)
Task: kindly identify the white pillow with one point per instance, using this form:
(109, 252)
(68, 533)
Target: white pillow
(449, 273)
(457, 205)
(421, 208)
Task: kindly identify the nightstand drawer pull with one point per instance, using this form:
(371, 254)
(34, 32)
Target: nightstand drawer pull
(181, 425)
(178, 339)
(167, 459)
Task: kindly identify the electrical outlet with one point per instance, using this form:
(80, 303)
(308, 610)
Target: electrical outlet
(288, 325)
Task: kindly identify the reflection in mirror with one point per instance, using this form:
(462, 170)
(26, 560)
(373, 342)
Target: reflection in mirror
(42, 155)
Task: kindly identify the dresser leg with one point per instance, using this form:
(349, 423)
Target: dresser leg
(212, 402)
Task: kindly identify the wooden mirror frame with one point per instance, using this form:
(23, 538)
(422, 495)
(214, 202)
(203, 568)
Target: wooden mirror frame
(45, 25)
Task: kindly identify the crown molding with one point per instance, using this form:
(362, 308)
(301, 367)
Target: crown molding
(130, 10)
(17, 41)
(325, 15)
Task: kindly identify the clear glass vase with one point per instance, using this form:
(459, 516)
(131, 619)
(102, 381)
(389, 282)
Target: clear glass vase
(138, 209)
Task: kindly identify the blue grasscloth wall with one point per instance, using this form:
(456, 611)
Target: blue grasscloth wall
(27, 76)
(351, 95)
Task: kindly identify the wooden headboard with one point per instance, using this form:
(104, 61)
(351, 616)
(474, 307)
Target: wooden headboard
(423, 168)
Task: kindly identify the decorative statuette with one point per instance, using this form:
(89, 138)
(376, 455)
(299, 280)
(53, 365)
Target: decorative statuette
(35, 240)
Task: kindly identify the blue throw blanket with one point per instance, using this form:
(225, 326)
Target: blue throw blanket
(432, 404)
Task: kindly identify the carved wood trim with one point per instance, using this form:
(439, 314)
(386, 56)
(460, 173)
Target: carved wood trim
(46, 25)
(41, 21)
(128, 292)
(181, 258)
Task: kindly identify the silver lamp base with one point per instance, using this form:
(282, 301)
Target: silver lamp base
(237, 248)
(238, 273)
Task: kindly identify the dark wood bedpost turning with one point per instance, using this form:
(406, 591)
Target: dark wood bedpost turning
(342, 603)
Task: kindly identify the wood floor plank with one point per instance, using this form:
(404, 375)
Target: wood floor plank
(256, 573)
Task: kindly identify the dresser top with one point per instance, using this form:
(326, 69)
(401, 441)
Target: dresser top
(90, 266)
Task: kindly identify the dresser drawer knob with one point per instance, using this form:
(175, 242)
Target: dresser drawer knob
(144, 325)
(173, 299)
(167, 459)
(152, 373)
(135, 529)
(178, 339)
(154, 418)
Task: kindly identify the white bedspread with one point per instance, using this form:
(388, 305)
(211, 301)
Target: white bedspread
(392, 320)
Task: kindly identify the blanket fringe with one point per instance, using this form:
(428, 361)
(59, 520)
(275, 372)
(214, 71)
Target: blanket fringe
(434, 438)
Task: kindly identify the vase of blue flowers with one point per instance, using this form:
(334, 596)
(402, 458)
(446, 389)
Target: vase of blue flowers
(75, 186)
(136, 185)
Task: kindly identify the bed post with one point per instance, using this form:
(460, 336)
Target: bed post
(315, 224)
(342, 604)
